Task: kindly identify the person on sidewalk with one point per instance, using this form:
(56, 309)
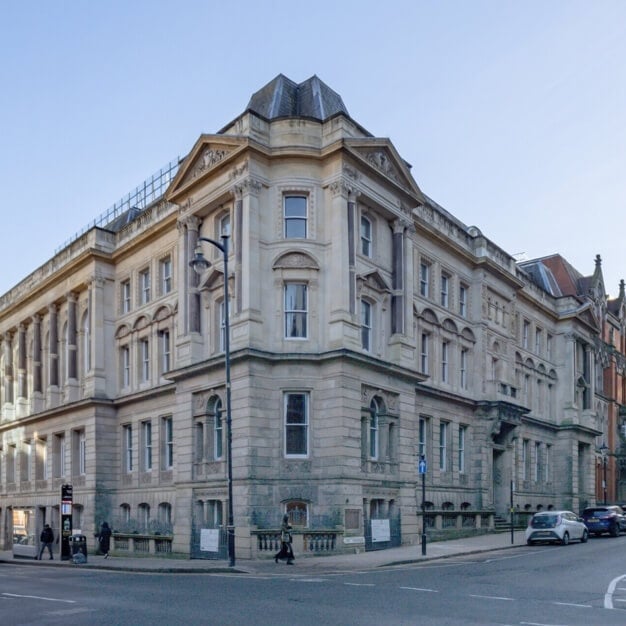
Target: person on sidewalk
(104, 539)
(47, 539)
(286, 551)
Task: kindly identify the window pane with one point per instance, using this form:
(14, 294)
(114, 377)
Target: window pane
(295, 216)
(296, 441)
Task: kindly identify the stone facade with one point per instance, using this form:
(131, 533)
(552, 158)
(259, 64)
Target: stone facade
(368, 327)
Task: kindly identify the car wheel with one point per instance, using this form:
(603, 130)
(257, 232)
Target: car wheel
(614, 531)
(585, 536)
(565, 539)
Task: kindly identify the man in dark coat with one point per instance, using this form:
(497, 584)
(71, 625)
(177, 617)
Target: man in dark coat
(47, 539)
(105, 539)
(286, 551)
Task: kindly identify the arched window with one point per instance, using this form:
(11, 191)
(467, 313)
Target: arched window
(144, 516)
(125, 513)
(298, 512)
(215, 415)
(164, 516)
(374, 412)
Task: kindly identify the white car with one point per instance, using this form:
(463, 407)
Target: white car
(561, 526)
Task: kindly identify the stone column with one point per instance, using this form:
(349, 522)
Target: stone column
(22, 390)
(8, 367)
(397, 279)
(72, 369)
(53, 392)
(37, 403)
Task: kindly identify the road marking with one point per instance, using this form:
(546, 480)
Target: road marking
(471, 595)
(420, 589)
(540, 624)
(585, 606)
(360, 584)
(608, 596)
(16, 595)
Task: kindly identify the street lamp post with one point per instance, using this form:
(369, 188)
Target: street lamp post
(604, 452)
(199, 263)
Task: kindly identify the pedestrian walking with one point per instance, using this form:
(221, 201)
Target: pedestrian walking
(286, 551)
(104, 539)
(47, 539)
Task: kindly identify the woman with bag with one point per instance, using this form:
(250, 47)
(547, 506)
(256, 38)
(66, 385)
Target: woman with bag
(286, 552)
(105, 539)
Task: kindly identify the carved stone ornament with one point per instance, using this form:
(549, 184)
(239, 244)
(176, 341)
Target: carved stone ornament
(381, 161)
(209, 158)
(296, 260)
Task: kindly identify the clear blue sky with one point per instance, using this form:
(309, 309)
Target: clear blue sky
(511, 113)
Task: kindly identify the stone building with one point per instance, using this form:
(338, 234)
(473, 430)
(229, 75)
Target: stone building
(368, 325)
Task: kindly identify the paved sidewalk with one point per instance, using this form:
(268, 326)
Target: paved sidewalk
(304, 565)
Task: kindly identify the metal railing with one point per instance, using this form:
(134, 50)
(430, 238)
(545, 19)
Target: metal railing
(139, 198)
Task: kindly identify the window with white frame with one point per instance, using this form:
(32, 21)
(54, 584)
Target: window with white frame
(424, 360)
(218, 430)
(525, 459)
(125, 366)
(127, 435)
(165, 275)
(224, 230)
(463, 368)
(295, 216)
(296, 311)
(165, 347)
(463, 301)
(296, 424)
(167, 435)
(125, 296)
(366, 236)
(144, 286)
(146, 443)
(444, 361)
(373, 429)
(462, 444)
(144, 355)
(547, 467)
(424, 279)
(79, 452)
(443, 446)
(422, 437)
(366, 325)
(445, 291)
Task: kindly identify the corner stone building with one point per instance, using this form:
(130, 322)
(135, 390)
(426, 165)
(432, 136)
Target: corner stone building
(368, 326)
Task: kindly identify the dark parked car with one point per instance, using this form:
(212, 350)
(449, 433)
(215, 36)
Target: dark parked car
(605, 519)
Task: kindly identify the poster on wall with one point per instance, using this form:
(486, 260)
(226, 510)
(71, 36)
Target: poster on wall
(209, 539)
(380, 530)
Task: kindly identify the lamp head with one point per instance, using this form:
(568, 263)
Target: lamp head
(199, 263)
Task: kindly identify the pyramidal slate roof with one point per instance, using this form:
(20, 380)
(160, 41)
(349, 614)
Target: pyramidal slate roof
(282, 97)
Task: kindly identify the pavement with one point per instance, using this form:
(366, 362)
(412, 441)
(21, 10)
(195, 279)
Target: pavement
(304, 565)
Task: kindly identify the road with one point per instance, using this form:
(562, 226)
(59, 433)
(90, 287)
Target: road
(523, 586)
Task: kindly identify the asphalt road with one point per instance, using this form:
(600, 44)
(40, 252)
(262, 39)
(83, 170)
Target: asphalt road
(525, 586)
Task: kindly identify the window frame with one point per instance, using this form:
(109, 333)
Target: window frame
(165, 275)
(443, 446)
(125, 296)
(424, 279)
(295, 221)
(292, 315)
(146, 442)
(167, 434)
(127, 438)
(365, 231)
(366, 325)
(290, 426)
(144, 286)
(444, 291)
(462, 448)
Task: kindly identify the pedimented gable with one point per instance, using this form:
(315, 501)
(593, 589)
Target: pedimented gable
(209, 154)
(373, 280)
(380, 155)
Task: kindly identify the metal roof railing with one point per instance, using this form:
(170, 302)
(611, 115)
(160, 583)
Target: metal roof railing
(139, 198)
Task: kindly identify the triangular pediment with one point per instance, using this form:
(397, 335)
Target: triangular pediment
(381, 156)
(210, 153)
(374, 280)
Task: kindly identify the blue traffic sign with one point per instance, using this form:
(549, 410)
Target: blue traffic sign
(421, 466)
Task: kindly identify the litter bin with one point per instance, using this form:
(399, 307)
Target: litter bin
(78, 547)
